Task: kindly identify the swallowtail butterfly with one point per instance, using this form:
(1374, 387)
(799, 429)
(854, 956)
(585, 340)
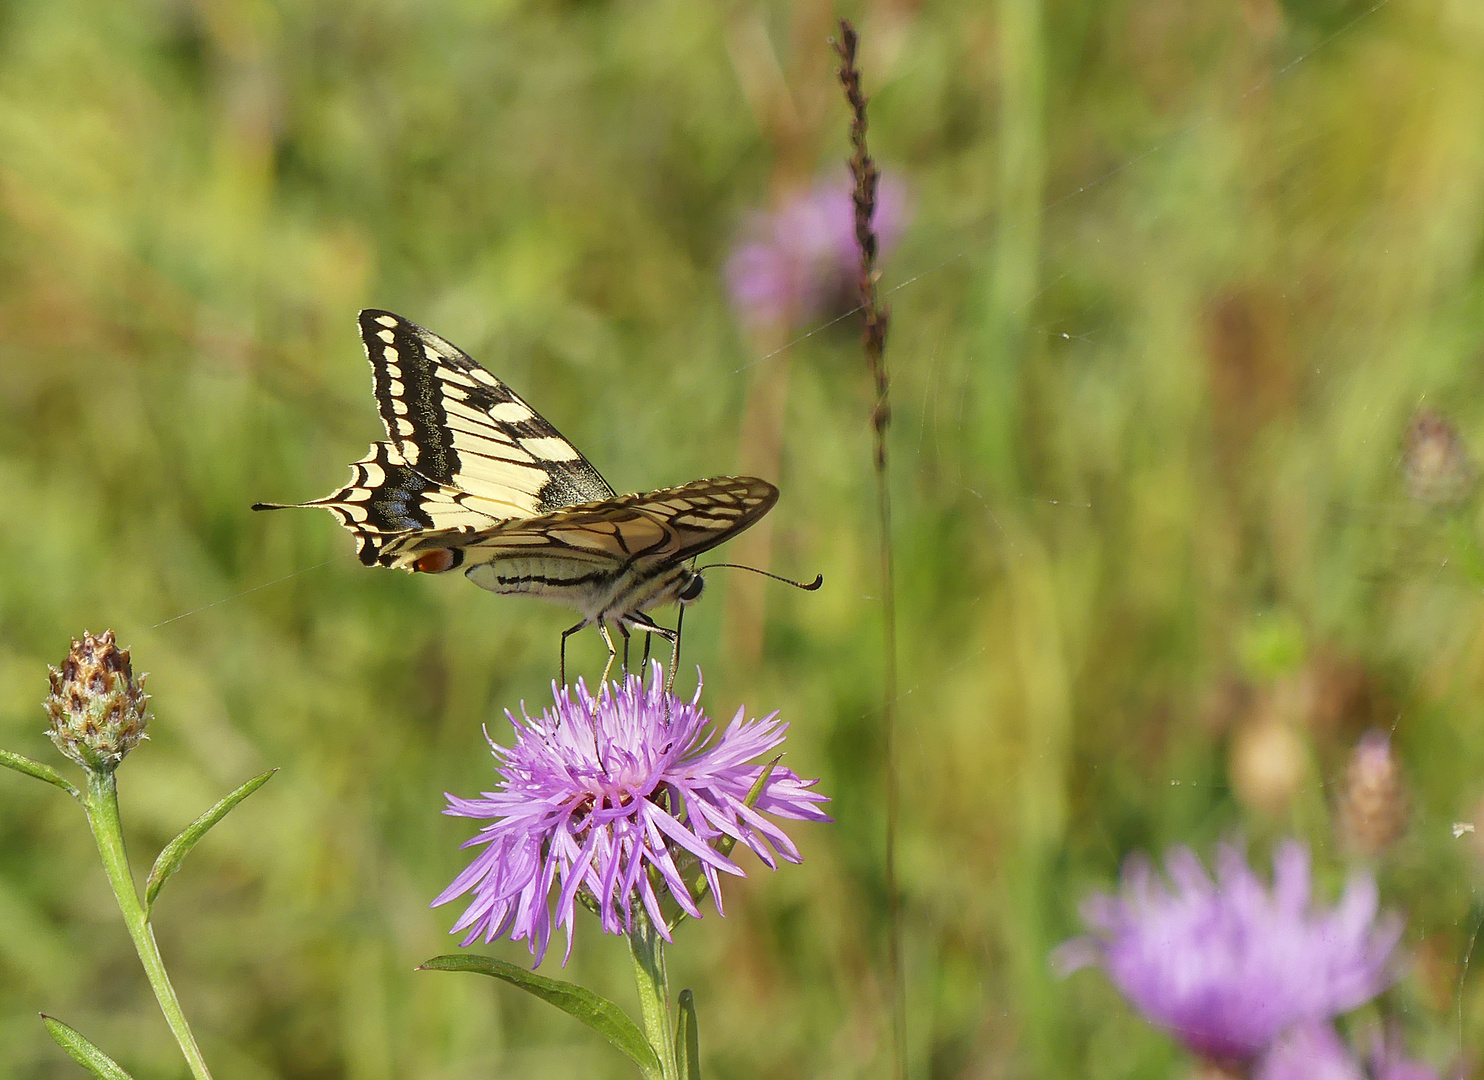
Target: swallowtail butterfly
(472, 477)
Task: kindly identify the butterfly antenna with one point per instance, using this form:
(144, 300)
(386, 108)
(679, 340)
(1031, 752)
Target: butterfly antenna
(809, 587)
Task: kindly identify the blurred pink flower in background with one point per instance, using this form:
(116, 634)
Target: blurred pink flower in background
(801, 260)
(1227, 965)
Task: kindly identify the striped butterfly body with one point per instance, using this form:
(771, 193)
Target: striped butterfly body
(472, 477)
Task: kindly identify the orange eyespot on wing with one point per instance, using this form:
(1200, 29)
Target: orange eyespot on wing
(435, 562)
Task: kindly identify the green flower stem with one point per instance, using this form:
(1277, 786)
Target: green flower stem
(102, 805)
(648, 950)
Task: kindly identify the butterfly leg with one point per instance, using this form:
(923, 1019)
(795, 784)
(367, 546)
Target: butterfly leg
(624, 630)
(649, 626)
(612, 652)
(674, 639)
(562, 677)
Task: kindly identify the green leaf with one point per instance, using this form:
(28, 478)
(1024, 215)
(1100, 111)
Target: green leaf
(83, 1052)
(688, 1039)
(37, 769)
(598, 1013)
(175, 851)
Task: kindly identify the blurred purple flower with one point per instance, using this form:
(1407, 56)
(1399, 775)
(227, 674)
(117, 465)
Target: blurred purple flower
(1310, 1051)
(1228, 966)
(1314, 1051)
(599, 793)
(802, 258)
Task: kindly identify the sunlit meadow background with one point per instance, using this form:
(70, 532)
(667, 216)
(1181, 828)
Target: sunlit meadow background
(1178, 275)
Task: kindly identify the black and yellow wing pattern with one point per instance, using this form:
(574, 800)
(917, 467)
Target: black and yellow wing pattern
(462, 450)
(471, 476)
(459, 426)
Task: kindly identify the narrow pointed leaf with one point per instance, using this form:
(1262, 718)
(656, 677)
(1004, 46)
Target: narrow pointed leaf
(37, 769)
(83, 1052)
(754, 793)
(690, 867)
(688, 1039)
(175, 851)
(598, 1013)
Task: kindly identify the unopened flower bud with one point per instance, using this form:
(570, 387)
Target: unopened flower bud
(1268, 765)
(97, 708)
(1373, 802)
(1438, 468)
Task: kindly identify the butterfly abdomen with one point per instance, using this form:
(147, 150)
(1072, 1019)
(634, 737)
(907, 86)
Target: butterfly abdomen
(542, 576)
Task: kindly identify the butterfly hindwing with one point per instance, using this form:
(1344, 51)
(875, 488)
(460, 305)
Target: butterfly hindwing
(459, 426)
(634, 536)
(386, 498)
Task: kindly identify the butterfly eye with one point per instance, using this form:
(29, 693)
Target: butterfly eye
(435, 562)
(692, 590)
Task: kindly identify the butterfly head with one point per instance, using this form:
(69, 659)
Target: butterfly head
(689, 586)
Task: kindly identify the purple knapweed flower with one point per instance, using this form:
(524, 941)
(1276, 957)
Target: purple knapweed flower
(802, 258)
(601, 794)
(1227, 966)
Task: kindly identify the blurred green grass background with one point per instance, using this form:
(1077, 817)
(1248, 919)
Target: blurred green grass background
(1179, 274)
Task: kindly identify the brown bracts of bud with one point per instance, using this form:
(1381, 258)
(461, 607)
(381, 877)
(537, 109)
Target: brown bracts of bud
(1438, 468)
(1372, 810)
(97, 708)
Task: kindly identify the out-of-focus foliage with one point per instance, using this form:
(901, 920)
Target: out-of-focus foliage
(1179, 275)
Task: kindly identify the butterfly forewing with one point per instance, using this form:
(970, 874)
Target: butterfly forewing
(459, 426)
